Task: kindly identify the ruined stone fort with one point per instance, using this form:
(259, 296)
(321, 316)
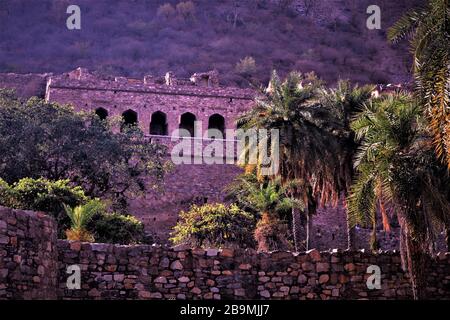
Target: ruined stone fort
(160, 105)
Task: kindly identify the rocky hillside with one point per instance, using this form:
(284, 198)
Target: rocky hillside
(139, 37)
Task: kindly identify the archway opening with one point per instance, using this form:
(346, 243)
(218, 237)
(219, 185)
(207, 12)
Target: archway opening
(101, 113)
(158, 124)
(216, 122)
(130, 119)
(187, 122)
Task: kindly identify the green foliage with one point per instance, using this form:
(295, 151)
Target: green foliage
(316, 143)
(429, 33)
(271, 203)
(215, 225)
(256, 196)
(116, 228)
(186, 10)
(43, 195)
(5, 194)
(396, 171)
(311, 135)
(166, 11)
(39, 139)
(80, 217)
(88, 218)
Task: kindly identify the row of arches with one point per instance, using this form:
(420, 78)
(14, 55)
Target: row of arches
(159, 125)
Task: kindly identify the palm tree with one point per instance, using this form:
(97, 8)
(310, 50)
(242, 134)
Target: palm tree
(80, 217)
(311, 135)
(270, 231)
(267, 199)
(398, 172)
(428, 29)
(348, 100)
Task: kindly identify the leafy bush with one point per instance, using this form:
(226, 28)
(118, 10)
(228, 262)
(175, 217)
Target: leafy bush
(53, 196)
(43, 195)
(5, 193)
(46, 140)
(186, 10)
(215, 225)
(116, 228)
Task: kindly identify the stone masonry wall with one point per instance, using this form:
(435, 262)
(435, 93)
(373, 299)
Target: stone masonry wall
(33, 265)
(145, 99)
(186, 185)
(155, 272)
(28, 258)
(25, 85)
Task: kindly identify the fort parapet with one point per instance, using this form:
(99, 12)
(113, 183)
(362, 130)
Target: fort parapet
(157, 105)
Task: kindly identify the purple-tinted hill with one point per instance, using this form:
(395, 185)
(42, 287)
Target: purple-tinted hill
(134, 38)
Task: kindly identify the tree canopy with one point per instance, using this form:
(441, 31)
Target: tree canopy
(40, 139)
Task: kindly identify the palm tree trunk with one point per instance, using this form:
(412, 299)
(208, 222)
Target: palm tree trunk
(373, 236)
(350, 235)
(415, 261)
(296, 223)
(308, 229)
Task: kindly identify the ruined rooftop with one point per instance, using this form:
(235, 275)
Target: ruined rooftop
(199, 84)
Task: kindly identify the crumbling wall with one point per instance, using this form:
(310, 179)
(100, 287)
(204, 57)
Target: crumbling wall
(28, 257)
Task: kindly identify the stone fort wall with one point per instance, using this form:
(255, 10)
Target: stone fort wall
(33, 265)
(25, 85)
(200, 96)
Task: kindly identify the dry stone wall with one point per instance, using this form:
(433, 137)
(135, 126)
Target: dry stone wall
(33, 265)
(155, 272)
(28, 257)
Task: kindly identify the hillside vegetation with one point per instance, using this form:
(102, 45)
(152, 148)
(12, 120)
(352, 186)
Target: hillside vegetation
(244, 39)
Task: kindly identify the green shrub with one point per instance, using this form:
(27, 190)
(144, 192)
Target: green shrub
(80, 217)
(43, 195)
(116, 228)
(215, 225)
(5, 193)
(53, 196)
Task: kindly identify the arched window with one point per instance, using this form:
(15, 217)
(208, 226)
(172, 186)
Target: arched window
(158, 125)
(217, 122)
(101, 113)
(187, 122)
(130, 118)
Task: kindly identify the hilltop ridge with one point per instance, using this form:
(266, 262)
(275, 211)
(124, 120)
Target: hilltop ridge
(136, 38)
